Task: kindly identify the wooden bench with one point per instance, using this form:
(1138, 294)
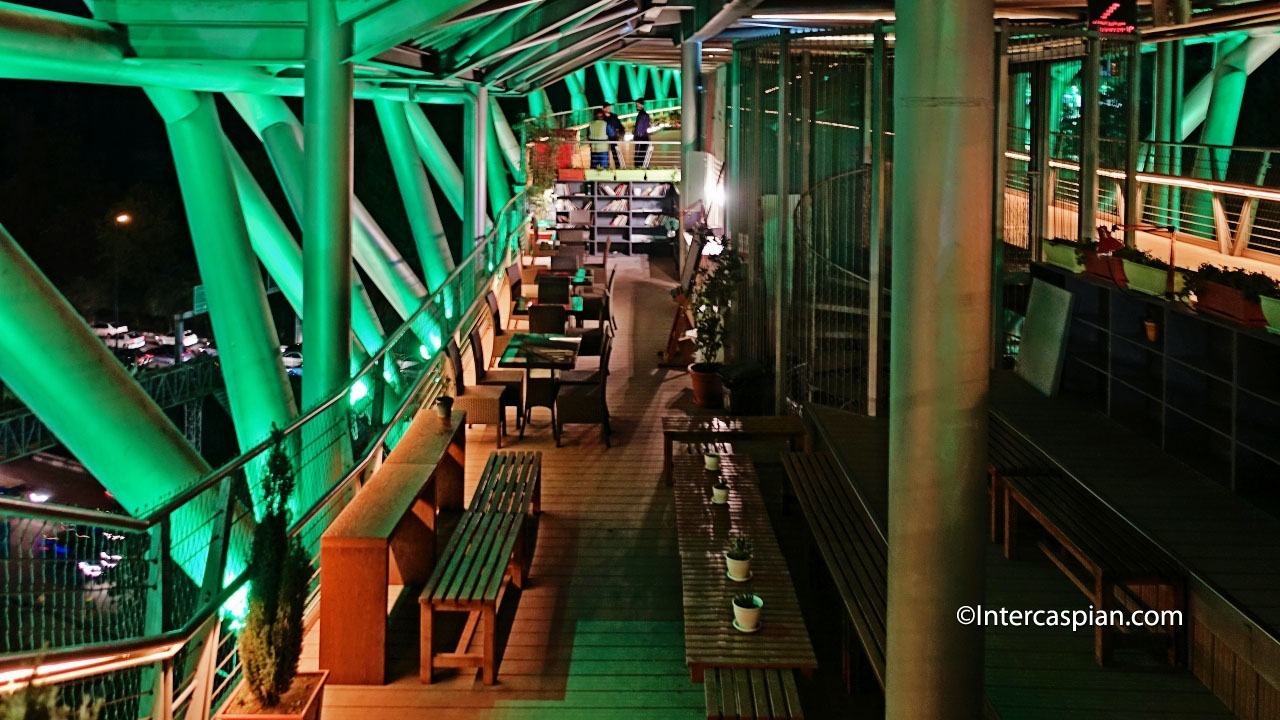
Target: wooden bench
(485, 555)
(855, 554)
(1098, 551)
(751, 694)
(713, 429)
(386, 537)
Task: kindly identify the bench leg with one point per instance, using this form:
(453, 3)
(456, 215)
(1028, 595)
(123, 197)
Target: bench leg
(490, 644)
(1010, 524)
(518, 559)
(666, 460)
(425, 651)
(1102, 632)
(997, 496)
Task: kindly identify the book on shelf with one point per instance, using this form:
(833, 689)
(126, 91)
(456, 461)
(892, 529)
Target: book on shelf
(613, 189)
(619, 205)
(619, 221)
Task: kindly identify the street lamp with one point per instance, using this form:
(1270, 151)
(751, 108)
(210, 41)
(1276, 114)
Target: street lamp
(122, 219)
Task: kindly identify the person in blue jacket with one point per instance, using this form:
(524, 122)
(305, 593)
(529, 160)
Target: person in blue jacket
(616, 134)
(640, 135)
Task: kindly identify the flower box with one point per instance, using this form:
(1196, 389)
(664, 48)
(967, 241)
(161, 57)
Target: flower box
(1063, 255)
(1146, 279)
(1104, 267)
(1229, 303)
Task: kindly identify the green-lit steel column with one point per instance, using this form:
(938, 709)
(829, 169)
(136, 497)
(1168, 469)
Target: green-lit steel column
(415, 191)
(941, 330)
(507, 142)
(608, 81)
(496, 171)
(433, 152)
(691, 63)
(659, 78)
(474, 165)
(637, 80)
(1090, 78)
(257, 388)
(86, 398)
(539, 103)
(1249, 56)
(577, 90)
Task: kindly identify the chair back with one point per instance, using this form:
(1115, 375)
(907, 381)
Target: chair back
(514, 279)
(547, 319)
(553, 290)
(492, 300)
(455, 361)
(477, 352)
(566, 261)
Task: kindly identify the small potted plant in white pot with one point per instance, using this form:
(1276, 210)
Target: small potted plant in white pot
(720, 491)
(711, 461)
(737, 558)
(270, 642)
(746, 611)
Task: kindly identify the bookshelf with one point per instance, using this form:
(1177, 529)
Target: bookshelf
(627, 213)
(1207, 391)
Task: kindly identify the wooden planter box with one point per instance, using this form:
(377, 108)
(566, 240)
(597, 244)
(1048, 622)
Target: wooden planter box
(1146, 279)
(308, 710)
(1229, 303)
(1105, 267)
(1062, 255)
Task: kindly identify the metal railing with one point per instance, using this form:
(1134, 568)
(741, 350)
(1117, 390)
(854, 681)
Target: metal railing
(142, 611)
(579, 119)
(619, 155)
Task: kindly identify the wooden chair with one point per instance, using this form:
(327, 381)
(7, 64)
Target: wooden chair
(547, 319)
(491, 299)
(590, 376)
(515, 282)
(583, 404)
(511, 380)
(484, 404)
(553, 290)
(566, 261)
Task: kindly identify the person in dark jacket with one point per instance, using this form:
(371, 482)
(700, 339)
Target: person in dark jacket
(616, 134)
(640, 134)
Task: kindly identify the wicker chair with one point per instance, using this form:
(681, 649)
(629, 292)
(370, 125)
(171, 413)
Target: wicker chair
(484, 404)
(515, 280)
(512, 380)
(566, 261)
(583, 404)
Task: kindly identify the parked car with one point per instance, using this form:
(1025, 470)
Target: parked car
(189, 338)
(165, 359)
(127, 341)
(106, 329)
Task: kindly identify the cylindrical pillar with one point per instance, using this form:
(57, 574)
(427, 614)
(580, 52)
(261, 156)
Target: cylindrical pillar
(1090, 77)
(507, 142)
(415, 192)
(691, 95)
(474, 165)
(940, 329)
(782, 256)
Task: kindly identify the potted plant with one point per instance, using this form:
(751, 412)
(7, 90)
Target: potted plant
(720, 491)
(444, 407)
(270, 642)
(1063, 253)
(737, 558)
(746, 611)
(1145, 273)
(41, 703)
(711, 461)
(1232, 294)
(716, 282)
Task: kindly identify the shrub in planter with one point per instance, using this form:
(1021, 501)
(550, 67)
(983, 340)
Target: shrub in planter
(1232, 294)
(270, 642)
(713, 291)
(746, 611)
(1143, 272)
(737, 558)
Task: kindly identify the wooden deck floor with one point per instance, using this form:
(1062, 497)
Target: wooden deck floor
(597, 632)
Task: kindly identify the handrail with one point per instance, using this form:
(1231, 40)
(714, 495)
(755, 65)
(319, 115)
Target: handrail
(82, 660)
(80, 515)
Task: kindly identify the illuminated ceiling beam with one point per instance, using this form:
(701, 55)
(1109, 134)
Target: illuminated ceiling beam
(400, 21)
(543, 25)
(571, 45)
(521, 55)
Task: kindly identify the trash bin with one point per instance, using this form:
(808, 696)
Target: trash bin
(744, 385)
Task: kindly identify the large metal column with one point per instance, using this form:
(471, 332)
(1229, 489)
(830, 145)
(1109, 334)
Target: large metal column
(257, 388)
(512, 152)
(1090, 76)
(608, 81)
(691, 96)
(1038, 199)
(938, 384)
(1000, 133)
(433, 152)
(577, 89)
(539, 103)
(782, 266)
(499, 183)
(415, 192)
(474, 164)
(734, 159)
(1133, 109)
(879, 126)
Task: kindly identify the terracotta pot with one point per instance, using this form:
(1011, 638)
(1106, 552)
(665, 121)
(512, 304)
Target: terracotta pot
(707, 390)
(1153, 330)
(310, 710)
(1105, 267)
(1229, 303)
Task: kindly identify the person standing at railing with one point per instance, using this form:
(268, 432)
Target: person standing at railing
(640, 134)
(598, 134)
(616, 131)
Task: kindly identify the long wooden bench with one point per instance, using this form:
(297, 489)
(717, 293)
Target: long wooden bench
(386, 537)
(715, 429)
(485, 555)
(751, 694)
(855, 553)
(1098, 552)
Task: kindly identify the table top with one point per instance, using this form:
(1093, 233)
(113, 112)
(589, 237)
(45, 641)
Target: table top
(703, 530)
(574, 306)
(764, 425)
(579, 276)
(541, 350)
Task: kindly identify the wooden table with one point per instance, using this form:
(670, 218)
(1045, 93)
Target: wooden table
(386, 536)
(581, 276)
(573, 308)
(703, 530)
(540, 351)
(692, 428)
